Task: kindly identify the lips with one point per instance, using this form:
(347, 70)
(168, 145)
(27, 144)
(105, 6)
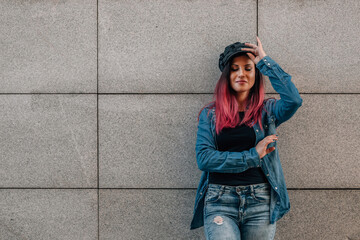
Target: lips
(241, 81)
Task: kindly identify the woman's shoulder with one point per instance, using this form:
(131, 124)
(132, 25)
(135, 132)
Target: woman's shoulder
(268, 104)
(207, 110)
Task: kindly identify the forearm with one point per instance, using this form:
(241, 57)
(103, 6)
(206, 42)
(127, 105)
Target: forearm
(226, 162)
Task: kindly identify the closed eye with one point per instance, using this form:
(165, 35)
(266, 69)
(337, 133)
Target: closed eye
(249, 69)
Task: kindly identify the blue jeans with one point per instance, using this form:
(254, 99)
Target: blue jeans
(238, 212)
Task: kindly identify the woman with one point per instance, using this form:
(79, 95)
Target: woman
(242, 190)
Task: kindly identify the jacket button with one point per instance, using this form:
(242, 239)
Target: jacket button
(277, 203)
(268, 64)
(267, 174)
(201, 193)
(275, 187)
(257, 130)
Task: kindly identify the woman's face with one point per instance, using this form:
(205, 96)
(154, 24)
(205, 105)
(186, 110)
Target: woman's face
(242, 74)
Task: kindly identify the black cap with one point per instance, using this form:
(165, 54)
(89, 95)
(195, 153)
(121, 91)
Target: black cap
(230, 51)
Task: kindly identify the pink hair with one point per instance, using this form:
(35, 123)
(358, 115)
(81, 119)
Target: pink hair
(226, 105)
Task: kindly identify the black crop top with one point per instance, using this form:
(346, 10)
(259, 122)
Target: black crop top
(237, 139)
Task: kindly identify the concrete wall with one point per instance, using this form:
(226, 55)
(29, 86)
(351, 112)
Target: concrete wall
(98, 107)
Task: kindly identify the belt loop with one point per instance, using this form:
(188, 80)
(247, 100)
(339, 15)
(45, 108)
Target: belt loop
(252, 189)
(222, 189)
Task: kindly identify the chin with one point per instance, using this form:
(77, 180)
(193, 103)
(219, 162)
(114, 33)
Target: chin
(242, 90)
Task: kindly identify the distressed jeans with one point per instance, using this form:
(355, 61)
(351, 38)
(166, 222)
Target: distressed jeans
(238, 212)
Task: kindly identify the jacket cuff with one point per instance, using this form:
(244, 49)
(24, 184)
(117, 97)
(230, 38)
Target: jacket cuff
(253, 158)
(266, 61)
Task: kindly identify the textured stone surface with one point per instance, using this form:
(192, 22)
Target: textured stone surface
(321, 214)
(48, 141)
(317, 42)
(147, 214)
(168, 46)
(48, 46)
(48, 214)
(167, 213)
(148, 140)
(318, 145)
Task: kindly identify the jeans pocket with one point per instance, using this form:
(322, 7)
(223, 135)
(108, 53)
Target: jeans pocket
(213, 195)
(261, 195)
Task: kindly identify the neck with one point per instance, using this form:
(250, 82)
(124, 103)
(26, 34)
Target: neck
(241, 100)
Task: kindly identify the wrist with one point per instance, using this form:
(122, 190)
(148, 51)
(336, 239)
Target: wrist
(262, 56)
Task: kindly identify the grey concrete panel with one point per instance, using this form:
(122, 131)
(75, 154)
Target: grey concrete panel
(149, 141)
(48, 140)
(147, 214)
(166, 214)
(317, 42)
(168, 46)
(48, 214)
(318, 145)
(321, 214)
(48, 46)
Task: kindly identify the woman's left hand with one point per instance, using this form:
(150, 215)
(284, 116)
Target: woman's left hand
(258, 51)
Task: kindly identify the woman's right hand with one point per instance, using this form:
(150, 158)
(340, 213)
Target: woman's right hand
(261, 147)
(258, 51)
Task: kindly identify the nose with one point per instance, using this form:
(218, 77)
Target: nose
(240, 72)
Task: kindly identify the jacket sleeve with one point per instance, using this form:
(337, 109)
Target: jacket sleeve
(290, 100)
(211, 160)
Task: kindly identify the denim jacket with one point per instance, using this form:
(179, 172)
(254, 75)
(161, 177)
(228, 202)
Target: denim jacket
(275, 112)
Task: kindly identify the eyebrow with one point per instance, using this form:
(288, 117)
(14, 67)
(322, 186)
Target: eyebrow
(245, 64)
